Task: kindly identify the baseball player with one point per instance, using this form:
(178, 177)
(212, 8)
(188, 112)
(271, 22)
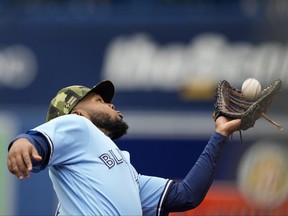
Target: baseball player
(90, 174)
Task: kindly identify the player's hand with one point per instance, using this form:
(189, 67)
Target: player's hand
(226, 127)
(20, 157)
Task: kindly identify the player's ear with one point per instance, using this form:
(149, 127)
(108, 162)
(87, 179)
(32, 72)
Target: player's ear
(77, 112)
(81, 112)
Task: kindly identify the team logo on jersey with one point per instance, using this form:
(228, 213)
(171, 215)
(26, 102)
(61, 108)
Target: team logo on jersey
(112, 158)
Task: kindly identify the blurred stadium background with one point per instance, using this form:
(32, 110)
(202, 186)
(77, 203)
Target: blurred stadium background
(165, 57)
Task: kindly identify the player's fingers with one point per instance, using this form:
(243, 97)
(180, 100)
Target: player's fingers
(35, 154)
(20, 159)
(13, 167)
(27, 159)
(27, 162)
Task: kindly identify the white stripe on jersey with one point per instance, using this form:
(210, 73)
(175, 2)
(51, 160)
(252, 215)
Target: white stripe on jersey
(162, 198)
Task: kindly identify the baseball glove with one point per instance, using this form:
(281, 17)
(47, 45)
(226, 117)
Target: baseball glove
(231, 103)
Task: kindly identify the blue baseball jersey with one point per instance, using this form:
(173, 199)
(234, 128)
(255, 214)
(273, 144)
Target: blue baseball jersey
(92, 176)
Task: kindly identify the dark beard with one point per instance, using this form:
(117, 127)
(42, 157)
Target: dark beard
(116, 127)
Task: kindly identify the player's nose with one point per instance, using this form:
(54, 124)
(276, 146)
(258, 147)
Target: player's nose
(111, 106)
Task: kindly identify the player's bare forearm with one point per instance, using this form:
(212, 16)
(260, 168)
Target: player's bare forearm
(20, 155)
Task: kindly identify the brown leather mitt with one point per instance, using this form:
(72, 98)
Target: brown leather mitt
(231, 103)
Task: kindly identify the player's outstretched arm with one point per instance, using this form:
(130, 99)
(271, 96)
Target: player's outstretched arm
(20, 156)
(190, 192)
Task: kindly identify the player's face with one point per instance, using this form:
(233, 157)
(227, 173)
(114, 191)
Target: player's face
(103, 115)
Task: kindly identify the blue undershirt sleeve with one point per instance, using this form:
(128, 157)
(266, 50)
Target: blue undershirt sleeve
(42, 146)
(190, 192)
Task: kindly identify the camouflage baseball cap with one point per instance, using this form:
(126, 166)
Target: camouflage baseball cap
(67, 98)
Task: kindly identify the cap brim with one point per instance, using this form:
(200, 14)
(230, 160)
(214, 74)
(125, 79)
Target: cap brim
(105, 89)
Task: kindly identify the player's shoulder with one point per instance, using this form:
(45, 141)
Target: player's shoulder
(66, 123)
(70, 120)
(70, 117)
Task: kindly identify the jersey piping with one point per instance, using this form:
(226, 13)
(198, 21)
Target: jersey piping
(163, 196)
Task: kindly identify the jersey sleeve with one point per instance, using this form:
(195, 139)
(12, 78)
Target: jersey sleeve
(67, 136)
(153, 191)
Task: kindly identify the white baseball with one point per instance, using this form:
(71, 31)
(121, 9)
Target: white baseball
(251, 89)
